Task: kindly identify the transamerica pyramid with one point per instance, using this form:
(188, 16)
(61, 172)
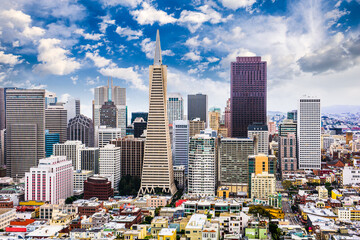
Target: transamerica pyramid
(157, 173)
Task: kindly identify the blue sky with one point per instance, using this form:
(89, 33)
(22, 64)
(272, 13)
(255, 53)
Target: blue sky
(69, 47)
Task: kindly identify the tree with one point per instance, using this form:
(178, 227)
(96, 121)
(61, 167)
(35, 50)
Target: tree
(259, 210)
(148, 219)
(129, 185)
(275, 231)
(286, 184)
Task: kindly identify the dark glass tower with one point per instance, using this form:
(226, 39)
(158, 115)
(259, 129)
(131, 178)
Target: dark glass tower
(197, 107)
(248, 94)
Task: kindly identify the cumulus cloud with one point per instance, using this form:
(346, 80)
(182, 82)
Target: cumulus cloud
(105, 23)
(88, 36)
(125, 3)
(129, 33)
(92, 81)
(148, 47)
(74, 79)
(98, 60)
(9, 59)
(212, 59)
(236, 4)
(193, 56)
(149, 15)
(54, 59)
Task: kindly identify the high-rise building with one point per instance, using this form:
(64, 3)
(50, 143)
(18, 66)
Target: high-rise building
(72, 105)
(80, 176)
(81, 128)
(143, 115)
(214, 118)
(56, 121)
(248, 94)
(288, 126)
(108, 115)
(70, 150)
(89, 159)
(292, 115)
(181, 143)
(50, 140)
(228, 117)
(179, 176)
(158, 156)
(233, 160)
(202, 165)
(262, 185)
(198, 107)
(2, 108)
(3, 147)
(99, 187)
(195, 126)
(101, 95)
(50, 181)
(175, 105)
(25, 129)
(50, 98)
(261, 131)
(287, 152)
(132, 155)
(309, 133)
(109, 163)
(139, 126)
(103, 135)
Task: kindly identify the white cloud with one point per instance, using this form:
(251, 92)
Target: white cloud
(212, 59)
(74, 79)
(64, 97)
(98, 60)
(194, 56)
(54, 59)
(88, 36)
(92, 81)
(149, 15)
(148, 47)
(128, 74)
(125, 3)
(16, 44)
(236, 4)
(231, 57)
(129, 33)
(9, 59)
(106, 21)
(91, 47)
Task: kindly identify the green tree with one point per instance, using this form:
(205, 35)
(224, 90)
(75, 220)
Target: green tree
(275, 231)
(129, 185)
(286, 184)
(259, 210)
(148, 219)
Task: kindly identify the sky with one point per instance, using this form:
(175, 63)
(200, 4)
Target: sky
(70, 47)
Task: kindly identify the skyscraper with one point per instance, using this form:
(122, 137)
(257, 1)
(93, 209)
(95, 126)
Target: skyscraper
(72, 106)
(56, 121)
(175, 105)
(261, 131)
(104, 135)
(50, 140)
(89, 159)
(309, 133)
(108, 115)
(181, 143)
(135, 115)
(25, 129)
(2, 108)
(157, 168)
(198, 107)
(248, 94)
(70, 150)
(81, 128)
(50, 98)
(109, 163)
(214, 118)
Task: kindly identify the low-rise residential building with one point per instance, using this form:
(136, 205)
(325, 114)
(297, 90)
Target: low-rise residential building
(157, 224)
(6, 216)
(167, 234)
(233, 224)
(193, 230)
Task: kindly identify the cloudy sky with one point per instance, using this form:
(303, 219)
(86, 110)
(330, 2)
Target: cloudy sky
(69, 47)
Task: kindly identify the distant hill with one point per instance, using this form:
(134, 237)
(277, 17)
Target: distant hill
(273, 113)
(337, 109)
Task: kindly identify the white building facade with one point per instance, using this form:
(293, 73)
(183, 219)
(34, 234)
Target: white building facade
(175, 107)
(262, 134)
(351, 175)
(103, 135)
(50, 181)
(70, 150)
(180, 143)
(309, 133)
(110, 163)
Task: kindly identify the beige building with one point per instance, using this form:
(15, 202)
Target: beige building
(79, 178)
(214, 120)
(195, 126)
(6, 215)
(157, 173)
(195, 226)
(322, 192)
(262, 185)
(56, 121)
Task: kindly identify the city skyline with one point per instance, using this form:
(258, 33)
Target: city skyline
(116, 40)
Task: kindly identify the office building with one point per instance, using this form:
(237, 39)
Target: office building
(195, 127)
(233, 160)
(56, 121)
(262, 134)
(101, 95)
(228, 117)
(50, 140)
(80, 176)
(99, 187)
(2, 108)
(108, 115)
(262, 185)
(180, 143)
(89, 159)
(50, 181)
(175, 107)
(287, 152)
(50, 99)
(180, 176)
(198, 107)
(72, 106)
(158, 156)
(202, 165)
(139, 126)
(287, 126)
(25, 129)
(292, 115)
(70, 150)
(143, 115)
(3, 147)
(81, 128)
(103, 135)
(350, 175)
(109, 163)
(309, 133)
(261, 163)
(248, 94)
(214, 118)
(132, 155)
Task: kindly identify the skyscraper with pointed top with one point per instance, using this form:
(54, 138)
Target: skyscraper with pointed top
(157, 173)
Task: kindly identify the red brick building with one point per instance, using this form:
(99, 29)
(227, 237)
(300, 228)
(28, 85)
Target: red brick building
(99, 187)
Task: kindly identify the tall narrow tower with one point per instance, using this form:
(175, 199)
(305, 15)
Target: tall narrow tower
(157, 173)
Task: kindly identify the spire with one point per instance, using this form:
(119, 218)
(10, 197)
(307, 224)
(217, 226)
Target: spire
(157, 58)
